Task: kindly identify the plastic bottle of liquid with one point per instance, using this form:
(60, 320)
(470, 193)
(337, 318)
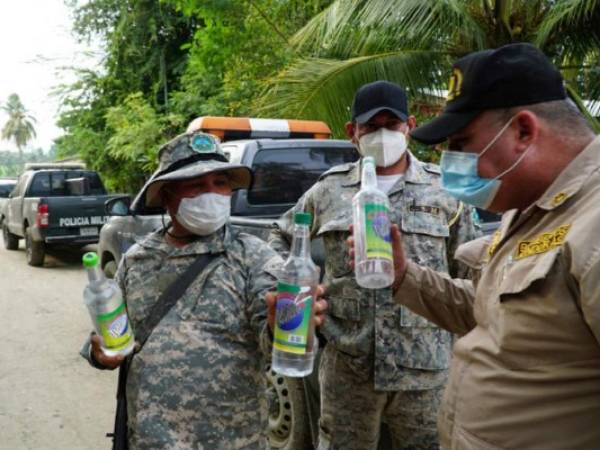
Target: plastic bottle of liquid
(294, 342)
(373, 259)
(104, 301)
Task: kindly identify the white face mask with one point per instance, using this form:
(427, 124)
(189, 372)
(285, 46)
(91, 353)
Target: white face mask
(205, 213)
(385, 146)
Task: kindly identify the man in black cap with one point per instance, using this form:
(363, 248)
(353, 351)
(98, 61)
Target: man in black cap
(526, 373)
(382, 363)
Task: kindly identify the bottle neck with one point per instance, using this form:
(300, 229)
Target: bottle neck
(301, 242)
(369, 177)
(96, 278)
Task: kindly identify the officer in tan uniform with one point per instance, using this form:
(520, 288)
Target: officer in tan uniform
(526, 373)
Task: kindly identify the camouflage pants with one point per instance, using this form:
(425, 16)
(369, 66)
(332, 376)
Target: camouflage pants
(352, 411)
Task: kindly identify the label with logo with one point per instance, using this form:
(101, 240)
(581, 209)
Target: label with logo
(114, 328)
(292, 321)
(377, 228)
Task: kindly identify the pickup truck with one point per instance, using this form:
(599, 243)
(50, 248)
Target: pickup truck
(54, 204)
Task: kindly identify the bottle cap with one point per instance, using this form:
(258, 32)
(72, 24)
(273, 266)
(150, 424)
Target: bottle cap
(369, 160)
(302, 218)
(90, 260)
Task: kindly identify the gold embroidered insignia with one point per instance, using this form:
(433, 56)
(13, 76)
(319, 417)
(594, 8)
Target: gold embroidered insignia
(494, 244)
(542, 243)
(455, 84)
(559, 198)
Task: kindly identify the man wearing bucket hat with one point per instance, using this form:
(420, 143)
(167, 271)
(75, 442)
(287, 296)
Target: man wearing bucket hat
(526, 373)
(198, 379)
(382, 363)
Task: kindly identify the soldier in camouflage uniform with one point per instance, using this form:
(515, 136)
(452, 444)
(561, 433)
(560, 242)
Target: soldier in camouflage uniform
(198, 380)
(382, 363)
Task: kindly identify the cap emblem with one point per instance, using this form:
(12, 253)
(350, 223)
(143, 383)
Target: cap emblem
(455, 84)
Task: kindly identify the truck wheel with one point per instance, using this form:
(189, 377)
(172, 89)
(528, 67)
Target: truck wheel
(11, 241)
(34, 250)
(289, 428)
(110, 269)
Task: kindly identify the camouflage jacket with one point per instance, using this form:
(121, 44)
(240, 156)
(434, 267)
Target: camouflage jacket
(198, 382)
(378, 337)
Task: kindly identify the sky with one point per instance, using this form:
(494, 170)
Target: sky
(36, 42)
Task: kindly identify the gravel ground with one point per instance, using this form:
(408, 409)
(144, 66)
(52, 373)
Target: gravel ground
(50, 398)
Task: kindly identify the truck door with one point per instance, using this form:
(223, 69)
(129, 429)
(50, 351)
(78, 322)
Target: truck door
(15, 206)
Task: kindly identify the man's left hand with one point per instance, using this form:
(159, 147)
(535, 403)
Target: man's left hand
(318, 310)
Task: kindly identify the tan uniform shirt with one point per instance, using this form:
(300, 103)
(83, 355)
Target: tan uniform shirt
(526, 373)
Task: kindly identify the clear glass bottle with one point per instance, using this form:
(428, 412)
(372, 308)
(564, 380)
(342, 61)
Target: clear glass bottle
(294, 341)
(373, 259)
(104, 301)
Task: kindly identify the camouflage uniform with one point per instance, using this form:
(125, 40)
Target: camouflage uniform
(382, 362)
(198, 381)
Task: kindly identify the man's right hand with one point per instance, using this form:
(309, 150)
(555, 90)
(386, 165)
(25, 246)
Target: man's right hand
(400, 263)
(110, 362)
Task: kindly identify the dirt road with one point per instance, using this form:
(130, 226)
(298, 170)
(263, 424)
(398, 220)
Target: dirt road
(50, 398)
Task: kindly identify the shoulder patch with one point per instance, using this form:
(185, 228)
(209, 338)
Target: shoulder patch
(342, 168)
(432, 168)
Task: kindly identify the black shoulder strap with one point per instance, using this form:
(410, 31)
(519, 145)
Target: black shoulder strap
(170, 296)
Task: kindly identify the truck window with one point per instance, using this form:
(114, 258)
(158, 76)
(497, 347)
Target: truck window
(282, 175)
(96, 186)
(6, 188)
(40, 185)
(52, 183)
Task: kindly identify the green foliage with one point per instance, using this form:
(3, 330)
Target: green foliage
(239, 46)
(137, 131)
(414, 42)
(19, 126)
(144, 42)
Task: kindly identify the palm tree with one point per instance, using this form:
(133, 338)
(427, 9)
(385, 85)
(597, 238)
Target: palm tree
(414, 42)
(19, 126)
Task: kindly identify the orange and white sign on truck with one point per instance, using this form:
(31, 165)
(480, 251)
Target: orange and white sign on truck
(231, 128)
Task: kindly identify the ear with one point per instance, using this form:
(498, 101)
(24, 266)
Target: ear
(411, 122)
(527, 129)
(350, 130)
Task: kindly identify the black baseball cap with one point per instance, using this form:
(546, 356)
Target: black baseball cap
(379, 96)
(512, 75)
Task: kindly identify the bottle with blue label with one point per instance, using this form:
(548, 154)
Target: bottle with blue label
(104, 301)
(373, 259)
(294, 341)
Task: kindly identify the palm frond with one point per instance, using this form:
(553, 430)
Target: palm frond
(571, 25)
(323, 89)
(350, 28)
(595, 123)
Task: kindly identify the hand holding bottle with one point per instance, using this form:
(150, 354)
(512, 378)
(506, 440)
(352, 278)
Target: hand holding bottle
(318, 311)
(400, 261)
(110, 362)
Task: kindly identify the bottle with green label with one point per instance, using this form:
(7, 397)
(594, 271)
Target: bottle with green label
(373, 260)
(104, 301)
(294, 341)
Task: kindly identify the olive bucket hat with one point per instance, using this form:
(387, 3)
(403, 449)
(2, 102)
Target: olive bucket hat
(188, 156)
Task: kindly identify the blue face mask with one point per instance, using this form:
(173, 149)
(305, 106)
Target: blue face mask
(460, 177)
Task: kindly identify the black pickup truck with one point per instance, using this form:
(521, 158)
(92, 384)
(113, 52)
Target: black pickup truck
(54, 204)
